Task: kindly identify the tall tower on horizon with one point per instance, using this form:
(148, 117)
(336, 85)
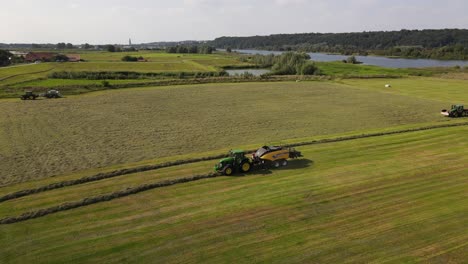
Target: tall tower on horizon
(129, 41)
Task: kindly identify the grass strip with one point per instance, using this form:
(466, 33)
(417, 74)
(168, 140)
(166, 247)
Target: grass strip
(116, 173)
(20, 74)
(103, 198)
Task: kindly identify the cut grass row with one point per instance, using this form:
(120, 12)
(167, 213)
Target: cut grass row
(126, 171)
(397, 198)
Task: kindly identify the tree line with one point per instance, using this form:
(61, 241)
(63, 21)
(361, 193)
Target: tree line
(191, 49)
(443, 44)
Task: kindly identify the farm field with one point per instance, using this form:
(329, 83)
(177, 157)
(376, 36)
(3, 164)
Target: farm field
(398, 198)
(393, 198)
(444, 90)
(75, 82)
(158, 62)
(92, 131)
(338, 68)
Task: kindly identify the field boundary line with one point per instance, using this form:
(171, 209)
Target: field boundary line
(103, 198)
(122, 172)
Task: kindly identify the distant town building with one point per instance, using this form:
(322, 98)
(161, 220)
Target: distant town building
(39, 56)
(73, 57)
(19, 53)
(130, 42)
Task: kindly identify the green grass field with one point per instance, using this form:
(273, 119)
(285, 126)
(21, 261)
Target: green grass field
(51, 83)
(346, 69)
(397, 198)
(106, 61)
(52, 137)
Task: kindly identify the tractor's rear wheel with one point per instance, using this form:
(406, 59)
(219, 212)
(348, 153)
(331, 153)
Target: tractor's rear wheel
(228, 171)
(245, 166)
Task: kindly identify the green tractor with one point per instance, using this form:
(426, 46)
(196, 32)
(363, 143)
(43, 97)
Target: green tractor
(237, 161)
(456, 111)
(29, 95)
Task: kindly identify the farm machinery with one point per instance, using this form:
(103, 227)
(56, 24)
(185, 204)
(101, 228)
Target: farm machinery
(52, 94)
(455, 111)
(264, 157)
(29, 95)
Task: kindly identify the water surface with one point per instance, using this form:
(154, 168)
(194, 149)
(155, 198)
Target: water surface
(374, 60)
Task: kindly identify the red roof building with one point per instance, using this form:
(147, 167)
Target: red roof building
(39, 56)
(73, 57)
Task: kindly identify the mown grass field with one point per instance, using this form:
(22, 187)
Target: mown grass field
(54, 137)
(444, 90)
(398, 199)
(395, 198)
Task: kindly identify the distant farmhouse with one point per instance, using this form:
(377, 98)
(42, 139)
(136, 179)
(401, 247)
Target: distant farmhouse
(49, 56)
(39, 56)
(19, 53)
(73, 57)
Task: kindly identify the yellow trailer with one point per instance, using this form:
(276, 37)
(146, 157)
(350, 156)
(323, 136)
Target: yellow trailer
(275, 156)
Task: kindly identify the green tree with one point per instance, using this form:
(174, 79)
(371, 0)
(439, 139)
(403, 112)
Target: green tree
(171, 49)
(69, 46)
(129, 58)
(352, 60)
(5, 58)
(61, 45)
(308, 68)
(291, 63)
(87, 46)
(110, 48)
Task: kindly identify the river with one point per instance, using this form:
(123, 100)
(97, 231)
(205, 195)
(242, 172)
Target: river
(374, 60)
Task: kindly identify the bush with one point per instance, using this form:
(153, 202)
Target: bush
(309, 68)
(291, 63)
(106, 83)
(352, 60)
(129, 58)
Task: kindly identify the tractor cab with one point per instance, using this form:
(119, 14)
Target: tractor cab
(236, 161)
(458, 108)
(29, 95)
(238, 155)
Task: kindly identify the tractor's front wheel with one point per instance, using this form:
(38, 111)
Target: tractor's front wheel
(276, 164)
(245, 166)
(228, 171)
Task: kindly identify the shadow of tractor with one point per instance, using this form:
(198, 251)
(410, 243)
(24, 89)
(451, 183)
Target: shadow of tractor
(292, 165)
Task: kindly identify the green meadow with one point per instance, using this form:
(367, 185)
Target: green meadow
(391, 197)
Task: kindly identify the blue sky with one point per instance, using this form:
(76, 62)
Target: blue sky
(114, 21)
